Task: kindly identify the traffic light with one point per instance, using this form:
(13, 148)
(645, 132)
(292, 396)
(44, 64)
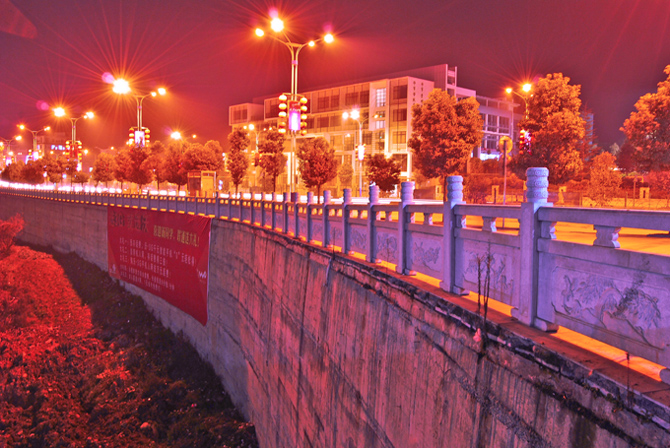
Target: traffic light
(304, 108)
(283, 113)
(524, 141)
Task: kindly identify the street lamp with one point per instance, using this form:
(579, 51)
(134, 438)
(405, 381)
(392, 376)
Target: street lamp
(122, 87)
(355, 115)
(60, 112)
(34, 151)
(7, 143)
(526, 88)
(277, 25)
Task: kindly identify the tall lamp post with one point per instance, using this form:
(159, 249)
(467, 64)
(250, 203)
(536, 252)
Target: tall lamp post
(60, 112)
(121, 86)
(34, 151)
(356, 115)
(526, 88)
(7, 143)
(277, 25)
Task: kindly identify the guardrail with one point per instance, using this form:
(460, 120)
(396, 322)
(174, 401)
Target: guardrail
(617, 296)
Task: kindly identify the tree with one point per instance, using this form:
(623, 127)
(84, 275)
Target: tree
(12, 172)
(648, 128)
(140, 173)
(103, 169)
(659, 181)
(605, 181)
(203, 158)
(122, 166)
(69, 167)
(54, 168)
(316, 163)
(556, 130)
(445, 131)
(625, 159)
(346, 175)
(272, 159)
(154, 163)
(80, 177)
(385, 173)
(237, 161)
(33, 172)
(172, 169)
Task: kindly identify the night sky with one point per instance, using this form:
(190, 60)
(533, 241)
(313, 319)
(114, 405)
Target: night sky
(207, 56)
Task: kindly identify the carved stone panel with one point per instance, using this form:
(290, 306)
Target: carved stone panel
(501, 265)
(425, 254)
(387, 247)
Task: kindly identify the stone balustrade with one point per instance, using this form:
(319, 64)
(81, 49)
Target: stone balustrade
(617, 296)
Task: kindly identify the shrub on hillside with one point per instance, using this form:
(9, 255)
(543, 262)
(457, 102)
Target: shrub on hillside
(8, 231)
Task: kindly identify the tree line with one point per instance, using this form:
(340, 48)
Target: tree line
(445, 131)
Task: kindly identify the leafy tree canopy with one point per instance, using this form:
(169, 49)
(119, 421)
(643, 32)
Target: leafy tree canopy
(445, 131)
(605, 180)
(33, 173)
(237, 161)
(316, 163)
(172, 170)
(272, 158)
(103, 168)
(385, 173)
(556, 129)
(648, 129)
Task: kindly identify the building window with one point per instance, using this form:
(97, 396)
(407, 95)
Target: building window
(335, 101)
(365, 98)
(400, 137)
(323, 103)
(492, 123)
(504, 125)
(335, 121)
(367, 138)
(399, 92)
(380, 97)
(351, 99)
(400, 115)
(323, 121)
(380, 124)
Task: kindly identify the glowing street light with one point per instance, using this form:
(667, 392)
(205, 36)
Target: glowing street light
(60, 112)
(122, 87)
(34, 150)
(526, 88)
(176, 135)
(277, 25)
(6, 143)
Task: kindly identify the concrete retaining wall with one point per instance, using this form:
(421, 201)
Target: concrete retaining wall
(320, 350)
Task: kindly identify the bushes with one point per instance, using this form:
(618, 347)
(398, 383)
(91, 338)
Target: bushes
(8, 231)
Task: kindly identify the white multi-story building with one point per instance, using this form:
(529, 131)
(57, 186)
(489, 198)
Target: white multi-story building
(385, 106)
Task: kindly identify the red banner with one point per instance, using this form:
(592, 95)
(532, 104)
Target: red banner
(166, 254)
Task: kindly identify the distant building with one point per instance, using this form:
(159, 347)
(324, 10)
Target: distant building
(385, 114)
(51, 143)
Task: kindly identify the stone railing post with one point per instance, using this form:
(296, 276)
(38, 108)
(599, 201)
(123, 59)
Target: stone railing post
(241, 207)
(372, 219)
(346, 231)
(295, 197)
(529, 231)
(452, 264)
(310, 199)
(262, 209)
(230, 205)
(406, 198)
(285, 200)
(273, 209)
(253, 210)
(325, 217)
